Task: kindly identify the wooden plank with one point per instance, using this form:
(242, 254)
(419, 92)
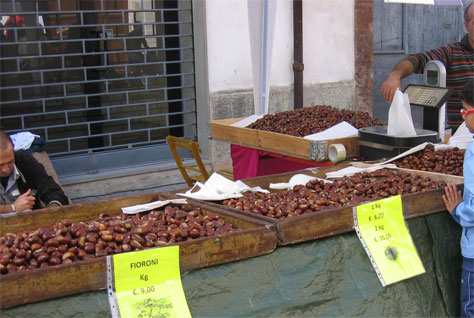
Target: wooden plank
(256, 238)
(350, 143)
(52, 282)
(258, 139)
(315, 226)
(292, 146)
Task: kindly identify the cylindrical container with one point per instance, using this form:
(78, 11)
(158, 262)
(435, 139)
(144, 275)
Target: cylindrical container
(336, 152)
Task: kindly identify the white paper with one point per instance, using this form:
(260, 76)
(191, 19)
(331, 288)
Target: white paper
(400, 122)
(134, 209)
(408, 152)
(297, 179)
(246, 121)
(341, 130)
(218, 187)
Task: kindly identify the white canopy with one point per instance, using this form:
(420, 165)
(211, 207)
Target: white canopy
(261, 26)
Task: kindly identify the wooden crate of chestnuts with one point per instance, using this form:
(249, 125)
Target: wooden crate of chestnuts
(283, 132)
(61, 251)
(320, 209)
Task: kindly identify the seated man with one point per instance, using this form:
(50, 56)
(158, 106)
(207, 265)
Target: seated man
(24, 181)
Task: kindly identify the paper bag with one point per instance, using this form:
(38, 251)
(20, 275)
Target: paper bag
(462, 138)
(400, 122)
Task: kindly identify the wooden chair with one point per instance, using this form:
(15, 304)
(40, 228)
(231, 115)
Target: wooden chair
(193, 147)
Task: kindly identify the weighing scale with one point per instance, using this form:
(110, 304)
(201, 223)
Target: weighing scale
(376, 144)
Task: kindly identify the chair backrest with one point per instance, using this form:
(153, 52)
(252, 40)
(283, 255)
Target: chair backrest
(193, 146)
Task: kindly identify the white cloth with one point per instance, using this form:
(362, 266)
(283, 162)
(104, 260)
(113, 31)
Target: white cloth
(22, 140)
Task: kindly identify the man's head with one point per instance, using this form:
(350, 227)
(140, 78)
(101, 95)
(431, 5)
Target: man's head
(469, 19)
(7, 155)
(467, 99)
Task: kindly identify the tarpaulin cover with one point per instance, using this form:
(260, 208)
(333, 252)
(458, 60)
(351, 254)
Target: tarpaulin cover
(325, 278)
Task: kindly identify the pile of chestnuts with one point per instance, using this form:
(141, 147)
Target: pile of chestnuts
(442, 161)
(68, 242)
(310, 120)
(318, 195)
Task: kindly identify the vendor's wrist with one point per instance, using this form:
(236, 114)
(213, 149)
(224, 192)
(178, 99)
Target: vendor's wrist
(13, 207)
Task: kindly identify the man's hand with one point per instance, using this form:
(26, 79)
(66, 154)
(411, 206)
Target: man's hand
(389, 87)
(452, 197)
(25, 201)
(403, 69)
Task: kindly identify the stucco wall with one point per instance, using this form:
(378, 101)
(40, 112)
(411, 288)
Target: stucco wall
(328, 41)
(328, 56)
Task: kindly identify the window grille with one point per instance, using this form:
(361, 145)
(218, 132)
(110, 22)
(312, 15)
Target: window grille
(102, 81)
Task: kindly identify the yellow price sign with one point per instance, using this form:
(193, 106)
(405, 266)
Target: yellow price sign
(148, 283)
(383, 233)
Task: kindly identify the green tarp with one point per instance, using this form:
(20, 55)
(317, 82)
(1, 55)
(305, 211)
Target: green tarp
(324, 278)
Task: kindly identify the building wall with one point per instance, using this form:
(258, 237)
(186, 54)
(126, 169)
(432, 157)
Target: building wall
(328, 57)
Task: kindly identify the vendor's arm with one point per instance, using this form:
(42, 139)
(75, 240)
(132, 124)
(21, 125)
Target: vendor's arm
(414, 63)
(48, 190)
(24, 202)
(403, 69)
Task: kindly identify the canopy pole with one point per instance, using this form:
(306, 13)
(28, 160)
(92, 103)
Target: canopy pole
(264, 59)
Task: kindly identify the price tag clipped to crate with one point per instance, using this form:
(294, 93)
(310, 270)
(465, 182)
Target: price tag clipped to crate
(384, 235)
(146, 283)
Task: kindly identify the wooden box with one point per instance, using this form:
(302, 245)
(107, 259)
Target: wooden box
(255, 238)
(338, 220)
(292, 146)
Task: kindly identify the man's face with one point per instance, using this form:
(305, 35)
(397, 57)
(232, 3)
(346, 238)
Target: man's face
(470, 25)
(7, 160)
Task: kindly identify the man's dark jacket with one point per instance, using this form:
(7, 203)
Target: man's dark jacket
(34, 176)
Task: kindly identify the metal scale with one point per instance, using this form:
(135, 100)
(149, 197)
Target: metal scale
(374, 142)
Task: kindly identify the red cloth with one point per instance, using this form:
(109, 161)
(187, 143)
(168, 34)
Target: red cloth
(249, 163)
(245, 161)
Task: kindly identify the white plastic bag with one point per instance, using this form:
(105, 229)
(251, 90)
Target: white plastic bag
(462, 138)
(400, 122)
